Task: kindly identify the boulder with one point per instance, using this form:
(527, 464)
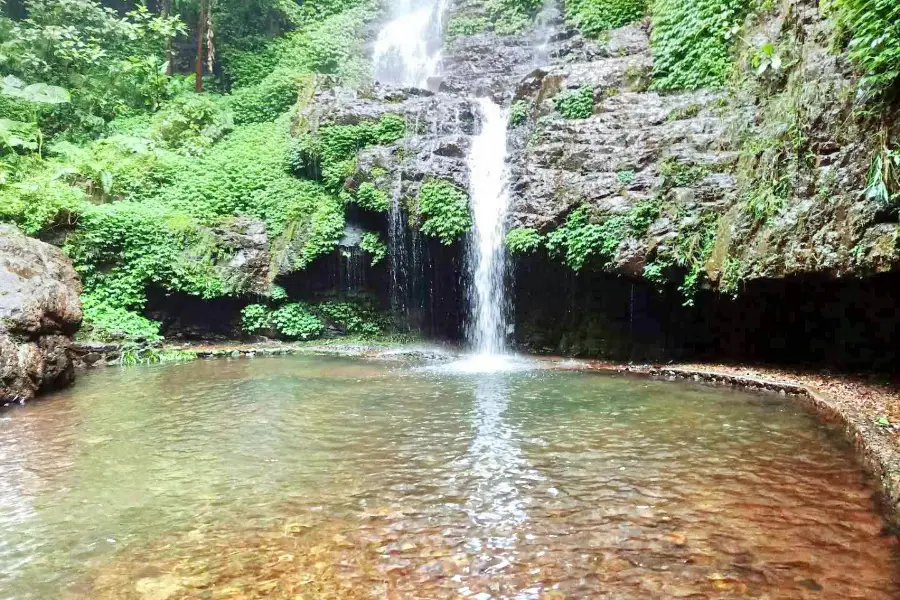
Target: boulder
(39, 313)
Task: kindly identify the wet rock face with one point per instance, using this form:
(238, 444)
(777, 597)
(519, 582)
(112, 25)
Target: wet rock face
(439, 126)
(247, 244)
(39, 313)
(616, 157)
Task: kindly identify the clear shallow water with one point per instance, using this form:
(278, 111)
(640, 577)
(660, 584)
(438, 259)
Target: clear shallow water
(320, 477)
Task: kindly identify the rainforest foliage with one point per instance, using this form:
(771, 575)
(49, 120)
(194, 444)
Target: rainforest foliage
(148, 175)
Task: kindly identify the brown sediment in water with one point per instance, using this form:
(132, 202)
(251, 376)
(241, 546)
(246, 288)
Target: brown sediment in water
(378, 556)
(856, 403)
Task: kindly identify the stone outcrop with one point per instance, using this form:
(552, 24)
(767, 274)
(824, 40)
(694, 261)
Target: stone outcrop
(710, 156)
(39, 313)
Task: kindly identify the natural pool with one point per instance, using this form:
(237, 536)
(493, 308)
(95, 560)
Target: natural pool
(323, 477)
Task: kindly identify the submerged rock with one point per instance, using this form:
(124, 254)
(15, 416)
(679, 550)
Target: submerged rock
(39, 313)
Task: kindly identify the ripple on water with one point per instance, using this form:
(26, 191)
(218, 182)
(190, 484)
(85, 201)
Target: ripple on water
(323, 477)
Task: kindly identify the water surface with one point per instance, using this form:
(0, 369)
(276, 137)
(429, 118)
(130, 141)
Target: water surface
(319, 477)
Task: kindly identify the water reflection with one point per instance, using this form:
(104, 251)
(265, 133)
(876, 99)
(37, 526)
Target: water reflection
(502, 482)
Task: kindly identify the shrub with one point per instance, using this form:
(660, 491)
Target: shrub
(576, 104)
(691, 42)
(518, 112)
(371, 242)
(331, 154)
(593, 17)
(191, 123)
(523, 240)
(465, 26)
(444, 210)
(295, 321)
(108, 323)
(254, 318)
(369, 197)
(352, 318)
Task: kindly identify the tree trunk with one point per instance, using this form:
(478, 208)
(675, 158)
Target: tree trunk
(201, 43)
(165, 9)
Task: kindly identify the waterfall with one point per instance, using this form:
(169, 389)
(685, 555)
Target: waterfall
(408, 48)
(486, 329)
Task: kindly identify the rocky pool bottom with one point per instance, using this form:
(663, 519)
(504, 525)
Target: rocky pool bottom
(336, 477)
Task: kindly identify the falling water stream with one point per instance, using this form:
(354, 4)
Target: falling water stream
(489, 199)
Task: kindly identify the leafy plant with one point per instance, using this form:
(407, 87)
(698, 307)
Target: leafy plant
(871, 30)
(353, 318)
(369, 197)
(372, 243)
(444, 210)
(593, 17)
(254, 318)
(576, 104)
(296, 321)
(523, 240)
(466, 26)
(579, 239)
(518, 112)
(691, 42)
(191, 123)
(625, 177)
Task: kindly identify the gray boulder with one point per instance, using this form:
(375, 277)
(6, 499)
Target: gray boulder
(39, 313)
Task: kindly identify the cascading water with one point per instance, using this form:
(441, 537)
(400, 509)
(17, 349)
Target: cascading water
(408, 48)
(486, 329)
(408, 53)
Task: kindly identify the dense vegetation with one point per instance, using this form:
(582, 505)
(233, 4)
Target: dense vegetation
(106, 144)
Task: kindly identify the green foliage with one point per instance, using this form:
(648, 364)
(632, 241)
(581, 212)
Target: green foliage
(331, 154)
(466, 26)
(678, 174)
(278, 74)
(684, 112)
(689, 251)
(444, 210)
(133, 355)
(625, 177)
(352, 318)
(110, 62)
(691, 42)
(268, 99)
(296, 321)
(594, 17)
(372, 243)
(518, 112)
(510, 17)
(883, 179)
(523, 240)
(871, 29)
(248, 174)
(121, 248)
(586, 236)
(579, 240)
(254, 318)
(191, 123)
(369, 197)
(576, 104)
(34, 198)
(107, 323)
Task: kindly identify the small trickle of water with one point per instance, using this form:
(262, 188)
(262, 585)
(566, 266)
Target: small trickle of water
(408, 48)
(486, 329)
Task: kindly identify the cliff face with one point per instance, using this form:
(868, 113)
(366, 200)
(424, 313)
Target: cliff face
(39, 313)
(660, 223)
(768, 176)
